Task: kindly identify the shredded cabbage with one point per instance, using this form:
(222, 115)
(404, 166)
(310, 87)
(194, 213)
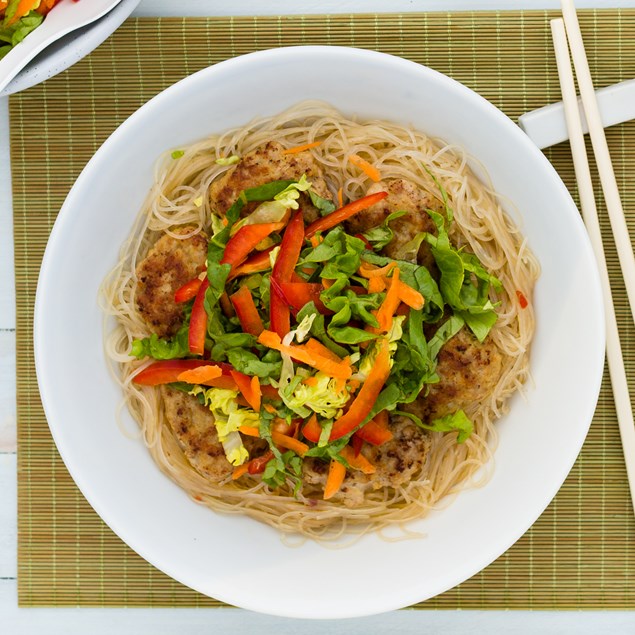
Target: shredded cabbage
(228, 418)
(323, 398)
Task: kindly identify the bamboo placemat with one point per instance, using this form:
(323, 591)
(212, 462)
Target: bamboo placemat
(579, 554)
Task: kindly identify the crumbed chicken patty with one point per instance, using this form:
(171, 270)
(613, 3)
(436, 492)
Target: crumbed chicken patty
(169, 265)
(396, 463)
(193, 426)
(402, 195)
(265, 164)
(468, 372)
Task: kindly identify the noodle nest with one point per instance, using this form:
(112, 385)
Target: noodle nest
(180, 197)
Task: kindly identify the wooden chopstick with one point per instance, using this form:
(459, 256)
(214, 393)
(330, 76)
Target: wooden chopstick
(590, 215)
(601, 150)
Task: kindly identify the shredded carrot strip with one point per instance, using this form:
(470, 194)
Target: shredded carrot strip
(315, 346)
(376, 284)
(369, 170)
(334, 480)
(341, 369)
(315, 241)
(250, 431)
(24, 6)
(326, 283)
(357, 462)
(302, 148)
(354, 384)
(390, 303)
(310, 381)
(270, 409)
(240, 471)
(200, 375)
(340, 198)
(410, 296)
(289, 443)
(371, 271)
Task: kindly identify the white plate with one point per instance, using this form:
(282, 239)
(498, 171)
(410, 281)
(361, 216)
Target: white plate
(236, 559)
(69, 49)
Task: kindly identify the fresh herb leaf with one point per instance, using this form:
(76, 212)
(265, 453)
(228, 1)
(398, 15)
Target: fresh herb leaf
(247, 362)
(322, 204)
(177, 154)
(381, 235)
(465, 283)
(162, 348)
(283, 467)
(318, 329)
(457, 421)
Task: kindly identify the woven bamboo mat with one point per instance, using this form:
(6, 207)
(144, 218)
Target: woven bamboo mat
(579, 554)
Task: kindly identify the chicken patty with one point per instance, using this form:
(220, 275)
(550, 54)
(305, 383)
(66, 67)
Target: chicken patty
(194, 429)
(468, 372)
(402, 195)
(262, 165)
(396, 463)
(169, 265)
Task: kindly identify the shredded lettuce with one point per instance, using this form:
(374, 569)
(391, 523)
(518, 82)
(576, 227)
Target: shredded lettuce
(323, 398)
(228, 418)
(12, 34)
(230, 160)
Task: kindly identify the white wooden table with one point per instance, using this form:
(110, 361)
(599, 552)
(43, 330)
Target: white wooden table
(45, 621)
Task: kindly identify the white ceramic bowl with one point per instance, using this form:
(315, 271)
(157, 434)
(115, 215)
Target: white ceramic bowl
(236, 559)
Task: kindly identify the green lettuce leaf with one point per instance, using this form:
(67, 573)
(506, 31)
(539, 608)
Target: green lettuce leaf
(457, 421)
(322, 204)
(381, 235)
(465, 283)
(243, 360)
(162, 348)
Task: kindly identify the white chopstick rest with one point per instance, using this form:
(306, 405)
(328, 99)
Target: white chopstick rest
(589, 212)
(601, 150)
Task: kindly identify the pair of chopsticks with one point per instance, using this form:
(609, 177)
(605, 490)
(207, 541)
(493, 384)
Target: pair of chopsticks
(589, 211)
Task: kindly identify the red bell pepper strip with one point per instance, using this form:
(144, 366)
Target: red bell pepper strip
(247, 312)
(357, 443)
(257, 466)
(336, 217)
(198, 321)
(279, 313)
(289, 249)
(368, 244)
(375, 431)
(254, 264)
(297, 294)
(244, 241)
(188, 290)
(367, 395)
(167, 371)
